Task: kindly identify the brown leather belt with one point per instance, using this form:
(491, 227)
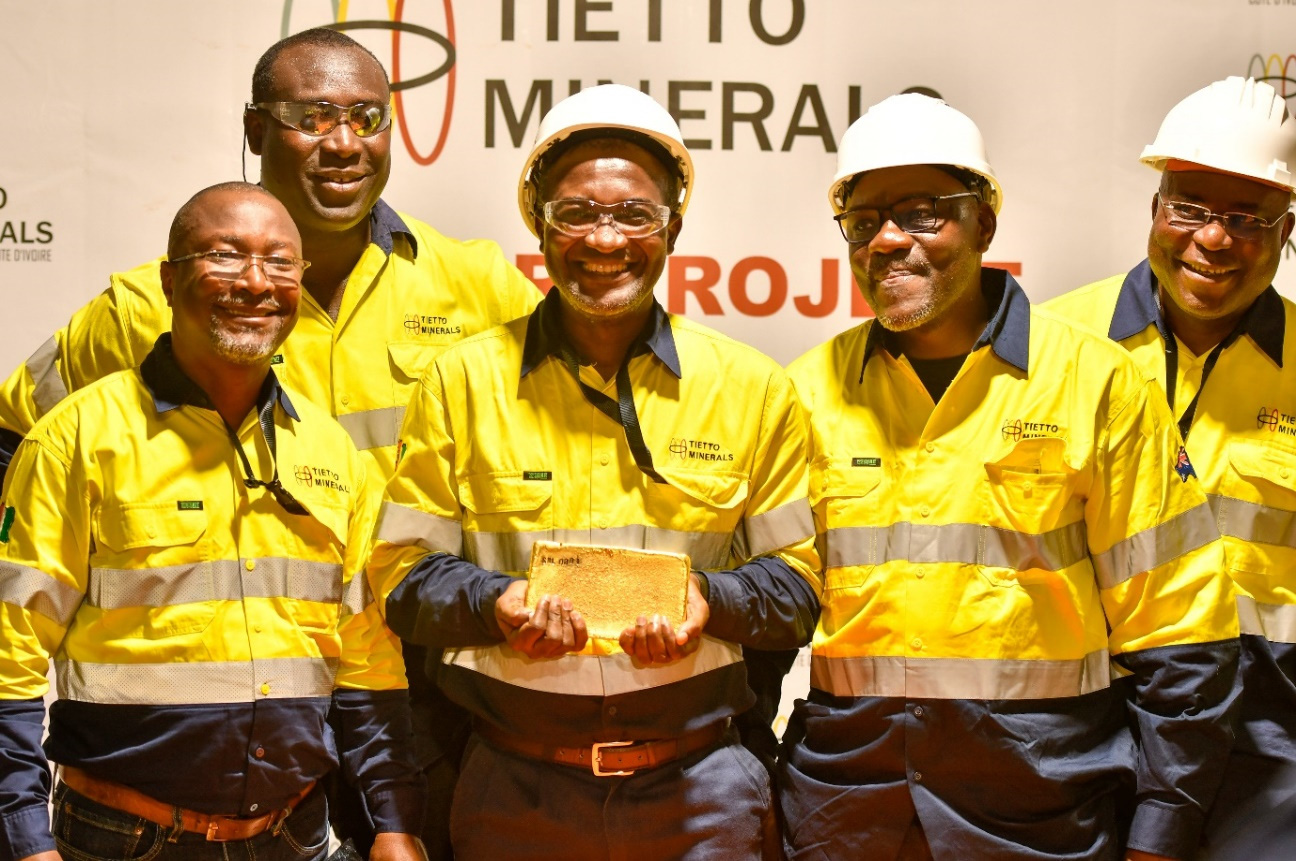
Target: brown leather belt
(218, 828)
(609, 758)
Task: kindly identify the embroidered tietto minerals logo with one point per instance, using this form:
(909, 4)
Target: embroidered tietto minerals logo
(698, 449)
(318, 476)
(430, 324)
(1015, 429)
(1276, 421)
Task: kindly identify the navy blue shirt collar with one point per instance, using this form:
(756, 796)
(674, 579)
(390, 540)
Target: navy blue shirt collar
(1138, 306)
(172, 388)
(545, 336)
(383, 223)
(1007, 332)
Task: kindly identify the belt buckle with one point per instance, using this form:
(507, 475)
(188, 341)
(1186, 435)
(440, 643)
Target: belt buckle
(596, 758)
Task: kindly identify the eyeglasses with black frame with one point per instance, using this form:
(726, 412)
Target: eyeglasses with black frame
(1239, 225)
(318, 119)
(231, 265)
(633, 219)
(912, 215)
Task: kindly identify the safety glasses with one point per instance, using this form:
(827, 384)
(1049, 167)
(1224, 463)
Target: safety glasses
(317, 119)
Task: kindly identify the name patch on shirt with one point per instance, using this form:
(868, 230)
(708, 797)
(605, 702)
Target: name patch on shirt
(189, 505)
(866, 461)
(537, 475)
(276, 359)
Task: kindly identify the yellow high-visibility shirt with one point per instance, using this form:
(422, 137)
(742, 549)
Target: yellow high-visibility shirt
(193, 622)
(992, 561)
(1242, 442)
(501, 449)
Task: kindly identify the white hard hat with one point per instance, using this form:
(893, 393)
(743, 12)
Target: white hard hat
(911, 129)
(607, 106)
(1237, 125)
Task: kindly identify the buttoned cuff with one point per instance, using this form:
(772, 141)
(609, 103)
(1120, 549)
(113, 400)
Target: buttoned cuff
(1164, 830)
(26, 832)
(400, 810)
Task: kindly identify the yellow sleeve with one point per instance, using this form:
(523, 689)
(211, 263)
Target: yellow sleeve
(420, 509)
(778, 520)
(371, 653)
(115, 331)
(1152, 536)
(44, 565)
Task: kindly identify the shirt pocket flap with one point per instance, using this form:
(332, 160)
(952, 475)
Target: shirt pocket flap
(495, 492)
(131, 525)
(411, 359)
(723, 491)
(849, 482)
(1037, 457)
(1258, 460)
(334, 518)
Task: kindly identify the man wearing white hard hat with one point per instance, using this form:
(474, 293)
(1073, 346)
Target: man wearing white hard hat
(1201, 316)
(1004, 531)
(600, 419)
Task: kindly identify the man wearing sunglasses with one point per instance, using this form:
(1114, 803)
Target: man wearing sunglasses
(601, 419)
(1006, 527)
(384, 294)
(1201, 316)
(186, 541)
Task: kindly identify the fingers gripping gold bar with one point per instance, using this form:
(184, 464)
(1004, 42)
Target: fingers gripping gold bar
(611, 587)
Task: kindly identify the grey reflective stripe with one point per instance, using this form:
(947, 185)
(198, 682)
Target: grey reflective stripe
(374, 428)
(399, 524)
(1249, 616)
(37, 592)
(43, 367)
(358, 595)
(968, 543)
(195, 682)
(511, 551)
(960, 678)
(1275, 622)
(219, 580)
(779, 528)
(1150, 548)
(591, 675)
(1251, 521)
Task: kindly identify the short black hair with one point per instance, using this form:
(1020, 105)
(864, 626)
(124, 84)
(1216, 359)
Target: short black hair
(674, 175)
(184, 217)
(317, 37)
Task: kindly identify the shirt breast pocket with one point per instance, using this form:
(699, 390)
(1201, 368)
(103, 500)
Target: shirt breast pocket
(1259, 507)
(153, 556)
(1031, 489)
(505, 514)
(850, 518)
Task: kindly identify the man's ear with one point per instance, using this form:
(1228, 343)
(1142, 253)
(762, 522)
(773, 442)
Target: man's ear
(987, 224)
(672, 233)
(253, 130)
(167, 271)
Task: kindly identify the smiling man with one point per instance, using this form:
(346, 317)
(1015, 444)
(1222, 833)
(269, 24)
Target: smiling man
(1004, 532)
(1201, 316)
(204, 606)
(576, 425)
(384, 294)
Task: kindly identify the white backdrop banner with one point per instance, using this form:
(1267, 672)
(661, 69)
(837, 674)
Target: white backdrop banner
(118, 111)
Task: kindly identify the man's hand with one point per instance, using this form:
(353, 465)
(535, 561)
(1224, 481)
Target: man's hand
(654, 641)
(554, 629)
(51, 855)
(1139, 855)
(391, 846)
